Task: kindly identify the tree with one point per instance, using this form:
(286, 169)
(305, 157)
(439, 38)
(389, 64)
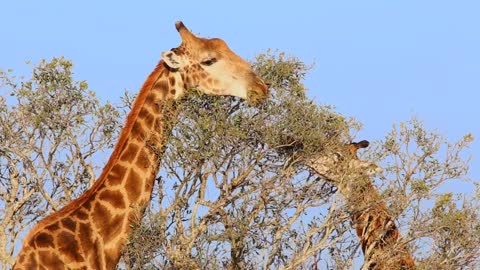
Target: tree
(239, 191)
(239, 187)
(52, 130)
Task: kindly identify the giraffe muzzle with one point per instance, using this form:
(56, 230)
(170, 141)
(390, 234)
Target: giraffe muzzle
(258, 92)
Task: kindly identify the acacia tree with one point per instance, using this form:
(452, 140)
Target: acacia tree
(237, 188)
(239, 191)
(443, 226)
(52, 129)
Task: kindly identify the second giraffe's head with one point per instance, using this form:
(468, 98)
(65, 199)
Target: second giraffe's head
(211, 67)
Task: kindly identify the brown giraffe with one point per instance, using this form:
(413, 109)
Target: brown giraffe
(374, 226)
(91, 231)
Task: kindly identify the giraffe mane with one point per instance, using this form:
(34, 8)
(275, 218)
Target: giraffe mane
(76, 203)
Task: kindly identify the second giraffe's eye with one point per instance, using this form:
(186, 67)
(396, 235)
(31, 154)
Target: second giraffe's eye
(209, 62)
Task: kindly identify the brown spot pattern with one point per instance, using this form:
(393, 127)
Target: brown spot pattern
(108, 224)
(67, 244)
(130, 152)
(143, 112)
(150, 99)
(52, 227)
(81, 214)
(44, 240)
(100, 216)
(116, 175)
(69, 224)
(112, 228)
(171, 80)
(85, 236)
(161, 86)
(81, 233)
(113, 197)
(32, 262)
(96, 260)
(51, 260)
(87, 205)
(148, 120)
(132, 186)
(143, 160)
(137, 131)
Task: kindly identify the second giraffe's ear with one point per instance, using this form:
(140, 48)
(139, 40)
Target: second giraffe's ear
(172, 59)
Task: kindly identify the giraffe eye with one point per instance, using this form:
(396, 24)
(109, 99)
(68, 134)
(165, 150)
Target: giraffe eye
(209, 62)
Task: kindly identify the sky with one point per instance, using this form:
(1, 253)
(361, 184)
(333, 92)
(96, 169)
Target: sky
(379, 61)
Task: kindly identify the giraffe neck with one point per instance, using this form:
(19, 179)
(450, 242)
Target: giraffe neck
(376, 228)
(135, 160)
(92, 230)
(369, 212)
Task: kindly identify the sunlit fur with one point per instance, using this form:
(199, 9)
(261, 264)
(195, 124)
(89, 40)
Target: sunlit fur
(91, 231)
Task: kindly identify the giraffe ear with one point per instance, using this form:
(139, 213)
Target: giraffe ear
(172, 59)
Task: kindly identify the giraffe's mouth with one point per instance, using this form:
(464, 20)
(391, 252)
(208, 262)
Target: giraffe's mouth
(258, 93)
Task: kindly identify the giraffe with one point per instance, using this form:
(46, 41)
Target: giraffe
(91, 231)
(374, 226)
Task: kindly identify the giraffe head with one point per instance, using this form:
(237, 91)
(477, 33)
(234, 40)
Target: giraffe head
(209, 66)
(332, 166)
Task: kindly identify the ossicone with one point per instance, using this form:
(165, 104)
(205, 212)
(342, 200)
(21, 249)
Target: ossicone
(185, 34)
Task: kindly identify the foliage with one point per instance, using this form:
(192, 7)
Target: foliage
(51, 129)
(228, 190)
(234, 191)
(421, 168)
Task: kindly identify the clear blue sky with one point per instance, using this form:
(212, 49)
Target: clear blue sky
(380, 61)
